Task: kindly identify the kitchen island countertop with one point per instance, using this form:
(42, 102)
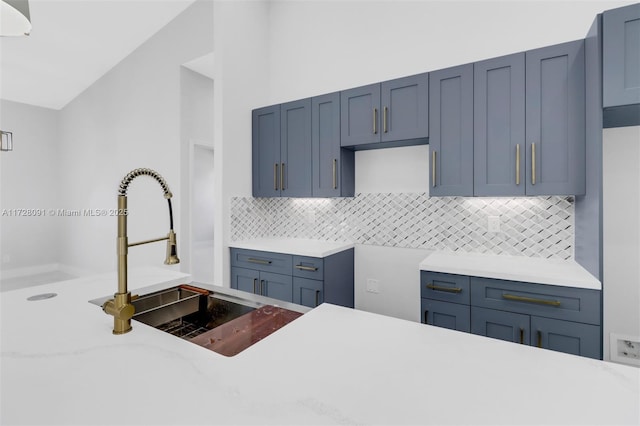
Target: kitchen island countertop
(60, 364)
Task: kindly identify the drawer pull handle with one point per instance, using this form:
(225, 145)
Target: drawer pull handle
(317, 297)
(521, 335)
(259, 261)
(539, 339)
(306, 268)
(447, 289)
(255, 285)
(426, 317)
(530, 299)
(262, 292)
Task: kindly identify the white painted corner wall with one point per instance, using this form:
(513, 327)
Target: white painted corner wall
(621, 234)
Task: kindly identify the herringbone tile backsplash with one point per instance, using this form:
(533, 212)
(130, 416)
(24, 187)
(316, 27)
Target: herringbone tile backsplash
(533, 226)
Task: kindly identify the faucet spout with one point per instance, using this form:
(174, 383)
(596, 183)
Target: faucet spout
(120, 306)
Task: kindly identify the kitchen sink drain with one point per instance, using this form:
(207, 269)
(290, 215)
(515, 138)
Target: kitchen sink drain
(42, 296)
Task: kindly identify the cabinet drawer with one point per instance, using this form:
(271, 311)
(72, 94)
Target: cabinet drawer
(447, 315)
(308, 267)
(566, 303)
(446, 287)
(261, 261)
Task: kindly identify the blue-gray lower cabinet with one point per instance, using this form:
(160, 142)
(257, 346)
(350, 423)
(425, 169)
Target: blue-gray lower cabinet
(502, 325)
(621, 66)
(445, 314)
(276, 286)
(563, 319)
(445, 300)
(304, 280)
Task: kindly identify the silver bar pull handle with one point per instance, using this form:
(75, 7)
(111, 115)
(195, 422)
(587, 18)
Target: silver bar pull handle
(447, 289)
(306, 268)
(530, 299)
(335, 173)
(517, 164)
(317, 297)
(375, 121)
(259, 261)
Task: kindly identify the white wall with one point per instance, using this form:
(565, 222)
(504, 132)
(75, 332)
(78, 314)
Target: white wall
(621, 233)
(29, 177)
(319, 47)
(241, 78)
(129, 118)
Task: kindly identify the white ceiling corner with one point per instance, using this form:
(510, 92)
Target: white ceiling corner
(75, 42)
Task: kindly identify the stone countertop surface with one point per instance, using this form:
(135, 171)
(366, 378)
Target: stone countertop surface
(60, 364)
(566, 273)
(295, 246)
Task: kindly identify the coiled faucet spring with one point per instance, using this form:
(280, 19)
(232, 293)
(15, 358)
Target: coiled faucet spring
(126, 181)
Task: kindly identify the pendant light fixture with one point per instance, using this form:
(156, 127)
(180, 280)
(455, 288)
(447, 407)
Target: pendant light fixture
(14, 18)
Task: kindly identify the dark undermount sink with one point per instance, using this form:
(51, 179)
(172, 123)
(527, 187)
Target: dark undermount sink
(218, 322)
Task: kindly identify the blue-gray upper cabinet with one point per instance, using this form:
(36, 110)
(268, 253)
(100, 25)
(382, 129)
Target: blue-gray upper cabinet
(394, 113)
(621, 66)
(333, 167)
(295, 149)
(281, 142)
(451, 131)
(555, 120)
(499, 126)
(266, 151)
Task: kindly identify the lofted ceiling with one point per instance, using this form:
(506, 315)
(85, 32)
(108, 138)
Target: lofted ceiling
(73, 43)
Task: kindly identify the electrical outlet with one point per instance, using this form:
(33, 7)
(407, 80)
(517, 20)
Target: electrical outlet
(373, 286)
(625, 349)
(493, 223)
(628, 349)
(311, 216)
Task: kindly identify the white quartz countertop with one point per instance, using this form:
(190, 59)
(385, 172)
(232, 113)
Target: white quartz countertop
(62, 365)
(296, 246)
(517, 268)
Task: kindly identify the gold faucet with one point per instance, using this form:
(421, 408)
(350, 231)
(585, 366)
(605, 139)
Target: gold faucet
(120, 306)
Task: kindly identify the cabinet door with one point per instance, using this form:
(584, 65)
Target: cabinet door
(499, 149)
(404, 108)
(277, 286)
(502, 325)
(332, 166)
(308, 292)
(360, 115)
(266, 151)
(555, 120)
(451, 131)
(565, 336)
(447, 315)
(245, 280)
(621, 56)
(295, 149)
